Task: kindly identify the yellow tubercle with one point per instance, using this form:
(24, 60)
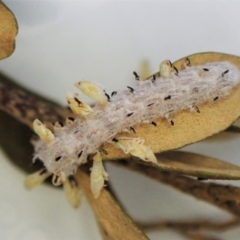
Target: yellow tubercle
(58, 179)
(98, 175)
(72, 193)
(37, 178)
(77, 105)
(43, 132)
(93, 91)
(165, 68)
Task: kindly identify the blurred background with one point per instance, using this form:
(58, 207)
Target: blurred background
(62, 42)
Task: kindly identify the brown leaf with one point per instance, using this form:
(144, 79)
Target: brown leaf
(189, 127)
(197, 165)
(8, 31)
(115, 223)
(225, 197)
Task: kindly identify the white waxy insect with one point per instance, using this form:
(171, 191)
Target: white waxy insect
(37, 178)
(43, 132)
(98, 175)
(165, 68)
(77, 105)
(135, 147)
(159, 97)
(72, 192)
(93, 91)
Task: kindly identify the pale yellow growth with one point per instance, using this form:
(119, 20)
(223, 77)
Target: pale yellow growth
(43, 132)
(36, 179)
(92, 91)
(165, 68)
(145, 70)
(72, 193)
(57, 125)
(58, 179)
(135, 147)
(77, 105)
(98, 175)
(69, 121)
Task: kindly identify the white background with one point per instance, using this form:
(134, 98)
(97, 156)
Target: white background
(61, 42)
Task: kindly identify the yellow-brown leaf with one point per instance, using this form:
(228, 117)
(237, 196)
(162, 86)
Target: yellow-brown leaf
(8, 31)
(197, 165)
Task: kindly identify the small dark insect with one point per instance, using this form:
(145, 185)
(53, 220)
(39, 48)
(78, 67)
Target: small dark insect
(131, 89)
(80, 154)
(136, 76)
(187, 62)
(77, 101)
(150, 104)
(71, 119)
(103, 151)
(154, 124)
(113, 93)
(225, 73)
(108, 97)
(129, 114)
(168, 97)
(43, 171)
(132, 129)
(153, 78)
(58, 158)
(176, 70)
(197, 109)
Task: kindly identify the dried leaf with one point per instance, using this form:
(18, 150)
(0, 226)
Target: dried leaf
(189, 127)
(8, 31)
(197, 165)
(115, 223)
(190, 225)
(225, 197)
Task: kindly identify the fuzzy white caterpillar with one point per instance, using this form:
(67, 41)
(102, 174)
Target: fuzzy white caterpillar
(164, 96)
